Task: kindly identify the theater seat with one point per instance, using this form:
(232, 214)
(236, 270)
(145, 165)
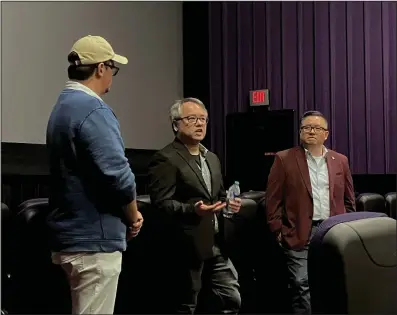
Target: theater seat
(391, 204)
(41, 287)
(239, 227)
(146, 262)
(7, 252)
(370, 202)
(270, 269)
(254, 195)
(32, 210)
(352, 265)
(4, 207)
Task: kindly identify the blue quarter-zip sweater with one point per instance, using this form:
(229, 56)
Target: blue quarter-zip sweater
(91, 179)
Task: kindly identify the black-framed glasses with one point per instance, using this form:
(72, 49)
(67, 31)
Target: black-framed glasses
(108, 64)
(114, 69)
(193, 119)
(316, 129)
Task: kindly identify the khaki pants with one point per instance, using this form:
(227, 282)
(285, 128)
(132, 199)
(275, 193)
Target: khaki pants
(93, 279)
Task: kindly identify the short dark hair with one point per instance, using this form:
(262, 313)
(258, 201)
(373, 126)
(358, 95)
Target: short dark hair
(313, 113)
(77, 71)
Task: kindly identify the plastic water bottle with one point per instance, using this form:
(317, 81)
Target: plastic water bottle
(233, 192)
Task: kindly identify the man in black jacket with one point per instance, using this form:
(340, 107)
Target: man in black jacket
(186, 183)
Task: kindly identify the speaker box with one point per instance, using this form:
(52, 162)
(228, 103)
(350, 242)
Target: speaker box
(252, 139)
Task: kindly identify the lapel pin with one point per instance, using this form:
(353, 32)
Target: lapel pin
(333, 158)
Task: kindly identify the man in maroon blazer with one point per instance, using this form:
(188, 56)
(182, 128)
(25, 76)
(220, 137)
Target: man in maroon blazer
(306, 185)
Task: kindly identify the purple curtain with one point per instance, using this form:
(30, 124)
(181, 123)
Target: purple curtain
(336, 57)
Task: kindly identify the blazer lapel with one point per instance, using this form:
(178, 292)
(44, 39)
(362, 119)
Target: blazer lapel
(331, 173)
(304, 169)
(184, 153)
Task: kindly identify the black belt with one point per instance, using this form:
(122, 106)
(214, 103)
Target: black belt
(317, 222)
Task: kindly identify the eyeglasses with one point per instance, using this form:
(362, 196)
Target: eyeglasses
(316, 129)
(193, 119)
(115, 69)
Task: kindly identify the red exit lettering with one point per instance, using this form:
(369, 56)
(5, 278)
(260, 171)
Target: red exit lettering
(258, 97)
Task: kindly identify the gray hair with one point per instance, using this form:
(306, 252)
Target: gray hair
(176, 108)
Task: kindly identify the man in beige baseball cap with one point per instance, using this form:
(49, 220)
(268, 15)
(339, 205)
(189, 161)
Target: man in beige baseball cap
(92, 60)
(93, 190)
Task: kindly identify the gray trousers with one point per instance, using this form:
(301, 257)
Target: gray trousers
(298, 280)
(212, 288)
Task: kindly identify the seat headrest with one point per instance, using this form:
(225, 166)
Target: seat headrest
(6, 215)
(4, 207)
(248, 209)
(33, 208)
(371, 196)
(338, 219)
(391, 196)
(36, 202)
(370, 202)
(143, 198)
(254, 195)
(377, 236)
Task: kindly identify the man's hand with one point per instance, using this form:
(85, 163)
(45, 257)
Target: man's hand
(202, 209)
(132, 231)
(235, 204)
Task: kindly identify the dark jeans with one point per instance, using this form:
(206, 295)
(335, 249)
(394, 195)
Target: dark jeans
(298, 280)
(212, 287)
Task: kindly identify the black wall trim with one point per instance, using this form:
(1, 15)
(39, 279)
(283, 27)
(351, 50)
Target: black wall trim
(23, 159)
(24, 171)
(31, 159)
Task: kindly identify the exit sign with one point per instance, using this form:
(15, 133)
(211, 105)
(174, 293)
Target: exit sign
(259, 97)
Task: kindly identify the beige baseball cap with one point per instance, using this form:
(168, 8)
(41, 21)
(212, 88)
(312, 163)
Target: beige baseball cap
(96, 49)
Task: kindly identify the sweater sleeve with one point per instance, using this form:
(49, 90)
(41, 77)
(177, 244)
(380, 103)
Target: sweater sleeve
(100, 136)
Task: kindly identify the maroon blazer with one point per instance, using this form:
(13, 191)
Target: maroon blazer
(289, 199)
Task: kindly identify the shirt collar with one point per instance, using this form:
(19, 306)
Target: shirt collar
(203, 150)
(74, 85)
(325, 151)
